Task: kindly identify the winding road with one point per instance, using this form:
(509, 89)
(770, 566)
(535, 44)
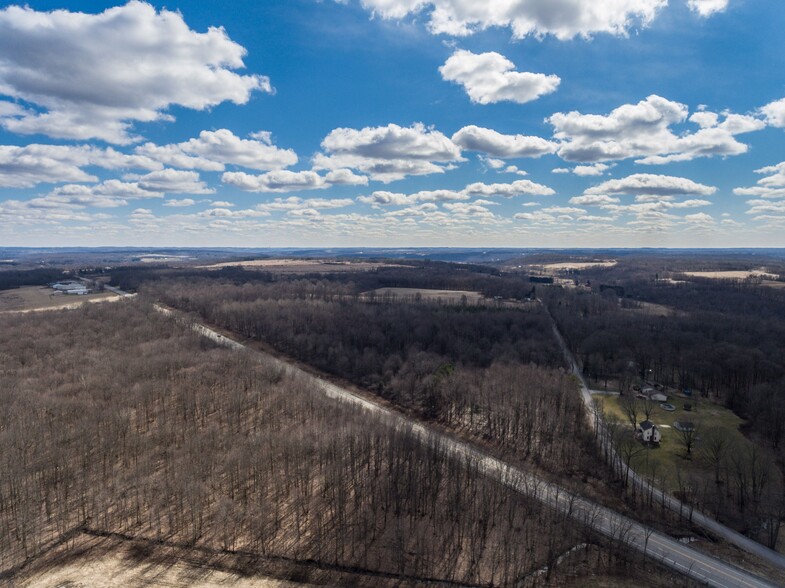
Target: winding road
(654, 545)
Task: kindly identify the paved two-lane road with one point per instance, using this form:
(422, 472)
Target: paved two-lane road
(657, 546)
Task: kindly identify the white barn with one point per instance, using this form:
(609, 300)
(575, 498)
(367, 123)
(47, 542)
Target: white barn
(73, 288)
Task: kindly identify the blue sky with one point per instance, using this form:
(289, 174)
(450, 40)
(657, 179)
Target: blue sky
(554, 123)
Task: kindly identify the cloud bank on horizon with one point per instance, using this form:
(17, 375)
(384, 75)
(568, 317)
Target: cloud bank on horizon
(392, 123)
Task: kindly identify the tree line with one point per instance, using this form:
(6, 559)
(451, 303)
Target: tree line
(399, 274)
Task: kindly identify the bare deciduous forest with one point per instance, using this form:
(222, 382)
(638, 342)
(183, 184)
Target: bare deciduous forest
(122, 423)
(490, 372)
(117, 420)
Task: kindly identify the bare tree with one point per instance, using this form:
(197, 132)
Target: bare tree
(631, 407)
(687, 435)
(715, 446)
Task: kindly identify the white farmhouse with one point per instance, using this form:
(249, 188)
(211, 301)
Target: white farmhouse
(648, 432)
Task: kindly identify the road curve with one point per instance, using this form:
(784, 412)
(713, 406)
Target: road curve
(657, 546)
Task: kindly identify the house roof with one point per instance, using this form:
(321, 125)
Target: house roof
(647, 425)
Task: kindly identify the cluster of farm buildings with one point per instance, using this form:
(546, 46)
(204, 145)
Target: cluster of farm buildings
(71, 288)
(647, 431)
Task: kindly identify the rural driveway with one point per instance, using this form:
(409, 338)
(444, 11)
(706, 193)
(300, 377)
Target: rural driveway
(604, 440)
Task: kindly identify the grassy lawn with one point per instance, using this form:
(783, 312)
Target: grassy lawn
(664, 462)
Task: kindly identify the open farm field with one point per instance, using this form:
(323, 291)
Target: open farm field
(29, 298)
(733, 274)
(469, 297)
(303, 266)
(577, 265)
(773, 284)
(450, 296)
(650, 309)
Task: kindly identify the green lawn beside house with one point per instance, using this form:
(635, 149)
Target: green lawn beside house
(665, 462)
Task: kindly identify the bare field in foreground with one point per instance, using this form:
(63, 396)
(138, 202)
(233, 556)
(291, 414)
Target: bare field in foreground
(109, 563)
(30, 298)
(116, 571)
(304, 266)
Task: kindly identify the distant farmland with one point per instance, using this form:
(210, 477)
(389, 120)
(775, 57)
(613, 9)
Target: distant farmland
(425, 294)
(303, 266)
(30, 298)
(452, 297)
(733, 275)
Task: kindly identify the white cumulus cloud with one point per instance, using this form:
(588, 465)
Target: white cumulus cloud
(775, 113)
(275, 181)
(564, 19)
(388, 153)
(475, 190)
(95, 75)
(516, 188)
(491, 142)
(491, 77)
(772, 185)
(295, 204)
(644, 130)
(224, 147)
(290, 181)
(182, 203)
(27, 166)
(385, 198)
(707, 7)
(172, 181)
(596, 169)
(593, 200)
(653, 185)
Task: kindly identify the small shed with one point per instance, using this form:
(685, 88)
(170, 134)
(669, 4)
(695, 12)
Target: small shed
(684, 426)
(648, 432)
